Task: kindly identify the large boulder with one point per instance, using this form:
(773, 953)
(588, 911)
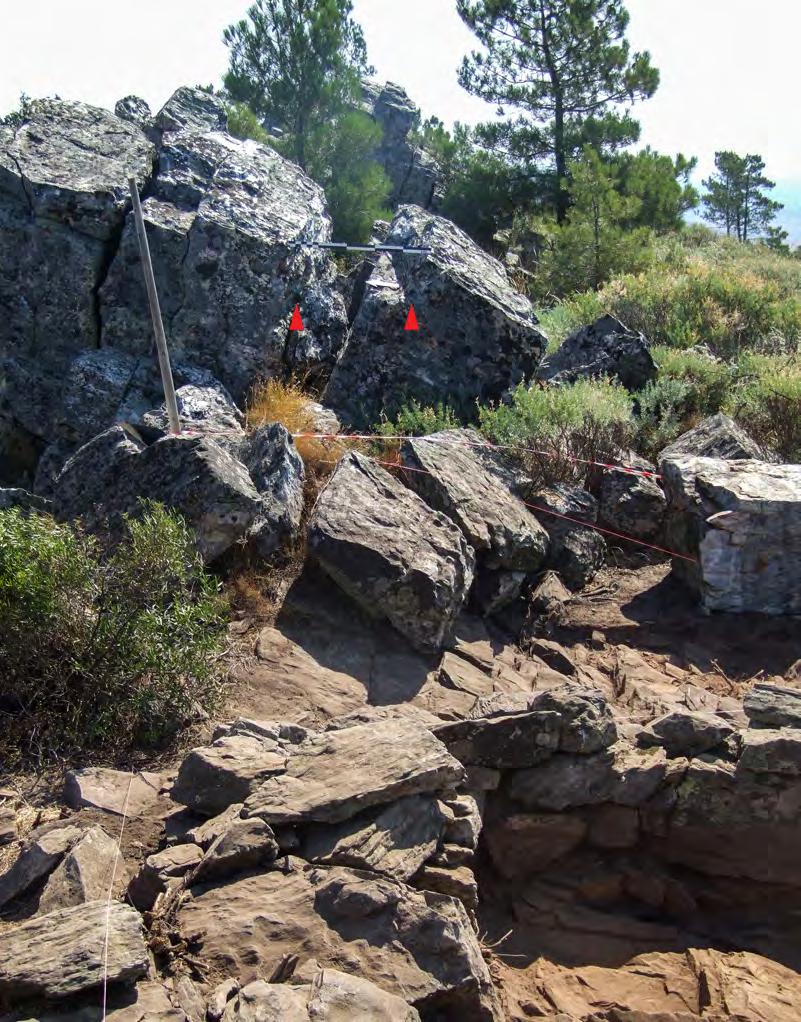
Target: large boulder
(415, 945)
(477, 336)
(773, 706)
(195, 476)
(229, 224)
(739, 523)
(231, 227)
(604, 348)
(447, 471)
(716, 437)
(632, 502)
(413, 173)
(390, 552)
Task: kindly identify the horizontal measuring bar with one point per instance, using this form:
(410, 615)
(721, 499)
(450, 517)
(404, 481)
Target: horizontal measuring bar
(343, 246)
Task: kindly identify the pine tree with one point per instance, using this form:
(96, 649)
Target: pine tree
(736, 198)
(296, 63)
(565, 70)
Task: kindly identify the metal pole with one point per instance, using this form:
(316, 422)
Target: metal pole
(155, 312)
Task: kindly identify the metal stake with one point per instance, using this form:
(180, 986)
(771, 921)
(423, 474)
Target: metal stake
(155, 312)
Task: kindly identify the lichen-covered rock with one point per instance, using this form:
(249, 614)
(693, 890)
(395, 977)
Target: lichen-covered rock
(195, 476)
(15, 497)
(716, 437)
(686, 732)
(773, 706)
(447, 471)
(577, 553)
(390, 552)
(478, 337)
(741, 521)
(604, 348)
(193, 109)
(229, 223)
(205, 409)
(134, 109)
(413, 173)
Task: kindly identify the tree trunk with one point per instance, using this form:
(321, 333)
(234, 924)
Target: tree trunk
(561, 197)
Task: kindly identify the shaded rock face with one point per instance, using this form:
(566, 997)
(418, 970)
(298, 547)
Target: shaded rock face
(576, 552)
(413, 173)
(228, 224)
(631, 504)
(716, 437)
(134, 109)
(390, 552)
(741, 520)
(478, 337)
(106, 479)
(605, 348)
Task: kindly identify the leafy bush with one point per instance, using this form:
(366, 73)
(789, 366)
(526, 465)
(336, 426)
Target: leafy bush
(555, 431)
(415, 420)
(243, 123)
(103, 652)
(767, 403)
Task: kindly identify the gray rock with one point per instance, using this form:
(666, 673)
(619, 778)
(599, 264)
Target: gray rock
(463, 823)
(390, 552)
(195, 476)
(773, 706)
(215, 777)
(277, 471)
(160, 871)
(451, 477)
(604, 348)
(38, 858)
(16, 498)
(577, 553)
(740, 522)
(494, 591)
(335, 775)
(244, 845)
(207, 410)
(622, 775)
(229, 223)
(206, 833)
(768, 751)
(192, 110)
(458, 882)
(415, 945)
(63, 197)
(413, 173)
(64, 953)
(395, 840)
(134, 109)
(716, 437)
(632, 504)
(478, 337)
(85, 873)
(686, 733)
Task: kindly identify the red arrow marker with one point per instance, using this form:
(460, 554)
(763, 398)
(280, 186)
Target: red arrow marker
(297, 322)
(411, 320)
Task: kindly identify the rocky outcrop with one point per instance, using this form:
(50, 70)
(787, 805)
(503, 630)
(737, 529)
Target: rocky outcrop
(604, 348)
(229, 226)
(716, 437)
(478, 337)
(413, 173)
(390, 552)
(631, 502)
(741, 522)
(194, 475)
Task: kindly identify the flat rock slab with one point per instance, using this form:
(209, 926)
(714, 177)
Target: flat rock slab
(773, 706)
(112, 790)
(395, 841)
(335, 775)
(62, 953)
(716, 437)
(85, 873)
(38, 858)
(417, 946)
(391, 552)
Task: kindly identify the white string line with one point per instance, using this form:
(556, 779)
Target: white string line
(110, 892)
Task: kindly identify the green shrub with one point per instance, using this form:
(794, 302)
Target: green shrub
(553, 432)
(243, 123)
(413, 419)
(100, 651)
(767, 402)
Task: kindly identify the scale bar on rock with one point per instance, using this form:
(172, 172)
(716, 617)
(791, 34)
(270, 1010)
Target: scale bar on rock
(343, 246)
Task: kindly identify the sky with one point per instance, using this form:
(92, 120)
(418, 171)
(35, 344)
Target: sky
(729, 67)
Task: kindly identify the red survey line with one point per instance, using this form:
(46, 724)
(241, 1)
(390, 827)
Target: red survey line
(483, 444)
(557, 514)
